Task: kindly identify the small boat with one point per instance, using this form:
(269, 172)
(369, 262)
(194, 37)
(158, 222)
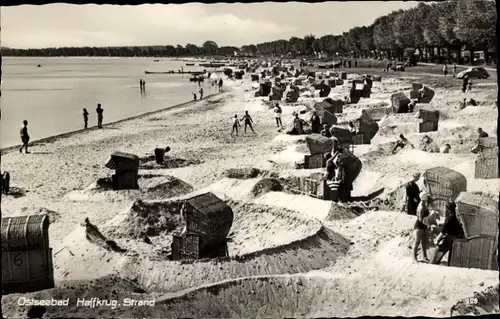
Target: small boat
(189, 64)
(211, 65)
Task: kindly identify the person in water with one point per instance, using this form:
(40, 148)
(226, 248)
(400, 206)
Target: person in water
(99, 112)
(25, 138)
(85, 118)
(248, 121)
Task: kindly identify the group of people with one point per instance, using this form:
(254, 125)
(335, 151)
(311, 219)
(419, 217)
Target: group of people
(454, 70)
(420, 204)
(99, 110)
(218, 84)
(201, 94)
(236, 123)
(142, 85)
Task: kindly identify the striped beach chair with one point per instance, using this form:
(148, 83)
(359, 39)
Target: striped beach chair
(333, 185)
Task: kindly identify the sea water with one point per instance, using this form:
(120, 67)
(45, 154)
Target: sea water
(52, 97)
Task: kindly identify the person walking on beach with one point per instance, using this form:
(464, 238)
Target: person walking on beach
(85, 118)
(99, 112)
(469, 85)
(445, 69)
(464, 83)
(248, 121)
(201, 93)
(454, 70)
(25, 138)
(220, 85)
(236, 124)
(277, 112)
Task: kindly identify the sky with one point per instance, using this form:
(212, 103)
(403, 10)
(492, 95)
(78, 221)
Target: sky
(58, 25)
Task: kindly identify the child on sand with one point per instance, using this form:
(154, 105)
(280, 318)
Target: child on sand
(277, 112)
(194, 96)
(236, 124)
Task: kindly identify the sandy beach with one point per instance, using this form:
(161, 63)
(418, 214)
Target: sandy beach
(290, 255)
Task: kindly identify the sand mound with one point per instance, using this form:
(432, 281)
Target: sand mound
(242, 173)
(146, 219)
(263, 240)
(266, 185)
(315, 252)
(343, 211)
(487, 303)
(105, 288)
(149, 163)
(151, 187)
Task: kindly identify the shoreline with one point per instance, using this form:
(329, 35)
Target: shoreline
(53, 138)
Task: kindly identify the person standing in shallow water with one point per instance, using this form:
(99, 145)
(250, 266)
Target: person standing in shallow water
(99, 112)
(25, 138)
(85, 118)
(201, 93)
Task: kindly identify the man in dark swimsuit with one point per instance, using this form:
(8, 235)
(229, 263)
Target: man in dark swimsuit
(85, 118)
(25, 138)
(451, 230)
(248, 121)
(412, 195)
(401, 143)
(315, 123)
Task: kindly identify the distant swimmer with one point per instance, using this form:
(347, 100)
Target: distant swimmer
(25, 138)
(85, 118)
(99, 112)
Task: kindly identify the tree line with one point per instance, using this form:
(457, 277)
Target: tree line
(435, 31)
